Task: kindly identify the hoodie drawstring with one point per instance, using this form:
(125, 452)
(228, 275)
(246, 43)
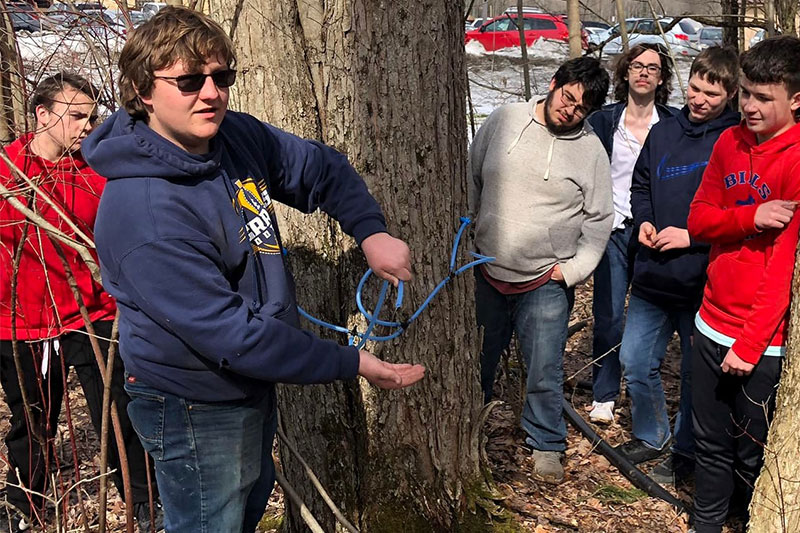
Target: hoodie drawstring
(549, 158)
(516, 141)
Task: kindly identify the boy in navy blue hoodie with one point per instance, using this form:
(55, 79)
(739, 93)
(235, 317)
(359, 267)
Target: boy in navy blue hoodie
(669, 267)
(189, 247)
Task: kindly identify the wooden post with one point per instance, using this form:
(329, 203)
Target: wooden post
(523, 46)
(574, 16)
(623, 28)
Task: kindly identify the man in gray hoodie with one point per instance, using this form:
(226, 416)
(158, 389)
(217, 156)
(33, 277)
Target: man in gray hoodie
(540, 191)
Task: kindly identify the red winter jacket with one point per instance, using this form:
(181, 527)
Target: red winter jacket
(749, 272)
(45, 304)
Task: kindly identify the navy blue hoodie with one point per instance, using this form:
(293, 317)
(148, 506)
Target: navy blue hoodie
(665, 178)
(189, 247)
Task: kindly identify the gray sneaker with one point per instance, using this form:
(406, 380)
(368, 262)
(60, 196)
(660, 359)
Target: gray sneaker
(547, 467)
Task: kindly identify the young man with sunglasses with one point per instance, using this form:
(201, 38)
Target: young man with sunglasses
(642, 84)
(189, 245)
(669, 267)
(541, 194)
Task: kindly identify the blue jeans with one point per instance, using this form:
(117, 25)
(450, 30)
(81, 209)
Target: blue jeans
(540, 318)
(213, 461)
(648, 330)
(611, 281)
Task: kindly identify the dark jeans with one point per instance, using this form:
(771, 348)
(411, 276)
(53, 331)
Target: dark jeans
(611, 281)
(731, 418)
(213, 460)
(540, 318)
(648, 329)
(45, 395)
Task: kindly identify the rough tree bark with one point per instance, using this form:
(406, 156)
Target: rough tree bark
(12, 85)
(776, 502)
(786, 11)
(384, 83)
(730, 34)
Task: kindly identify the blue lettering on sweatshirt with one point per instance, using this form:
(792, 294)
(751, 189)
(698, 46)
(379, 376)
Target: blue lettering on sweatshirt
(741, 178)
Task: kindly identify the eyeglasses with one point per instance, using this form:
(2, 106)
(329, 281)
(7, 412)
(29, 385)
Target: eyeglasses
(638, 67)
(568, 100)
(191, 83)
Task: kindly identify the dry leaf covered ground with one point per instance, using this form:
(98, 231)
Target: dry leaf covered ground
(594, 498)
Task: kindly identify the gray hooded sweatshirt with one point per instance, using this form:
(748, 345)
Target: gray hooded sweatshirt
(539, 198)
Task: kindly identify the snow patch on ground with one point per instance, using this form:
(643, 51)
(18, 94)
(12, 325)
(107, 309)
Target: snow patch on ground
(496, 78)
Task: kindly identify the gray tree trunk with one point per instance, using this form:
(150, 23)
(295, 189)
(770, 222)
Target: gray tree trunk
(384, 83)
(776, 502)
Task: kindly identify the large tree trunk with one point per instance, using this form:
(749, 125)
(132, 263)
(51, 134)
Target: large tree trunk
(730, 34)
(382, 82)
(776, 503)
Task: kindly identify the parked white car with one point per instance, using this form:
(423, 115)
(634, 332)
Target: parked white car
(596, 35)
(644, 30)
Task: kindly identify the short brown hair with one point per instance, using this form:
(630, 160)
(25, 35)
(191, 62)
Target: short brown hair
(774, 60)
(623, 64)
(718, 64)
(173, 34)
(47, 89)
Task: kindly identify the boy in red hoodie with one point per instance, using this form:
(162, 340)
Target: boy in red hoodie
(744, 208)
(43, 316)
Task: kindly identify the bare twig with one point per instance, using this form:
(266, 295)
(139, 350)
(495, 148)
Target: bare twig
(104, 370)
(305, 513)
(314, 480)
(661, 30)
(54, 232)
(38, 192)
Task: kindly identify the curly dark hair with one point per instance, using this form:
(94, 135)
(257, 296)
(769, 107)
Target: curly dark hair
(624, 63)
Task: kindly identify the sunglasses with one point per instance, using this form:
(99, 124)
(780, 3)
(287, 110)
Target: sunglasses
(191, 83)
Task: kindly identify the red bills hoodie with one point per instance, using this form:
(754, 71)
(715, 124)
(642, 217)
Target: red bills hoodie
(747, 294)
(45, 305)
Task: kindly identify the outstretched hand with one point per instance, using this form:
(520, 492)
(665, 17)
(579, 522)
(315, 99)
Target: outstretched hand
(388, 257)
(388, 375)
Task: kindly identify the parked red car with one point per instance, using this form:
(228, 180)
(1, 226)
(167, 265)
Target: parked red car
(503, 32)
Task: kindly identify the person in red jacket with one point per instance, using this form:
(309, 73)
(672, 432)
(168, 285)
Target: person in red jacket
(744, 208)
(42, 315)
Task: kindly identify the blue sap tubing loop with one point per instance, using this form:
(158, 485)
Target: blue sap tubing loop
(399, 327)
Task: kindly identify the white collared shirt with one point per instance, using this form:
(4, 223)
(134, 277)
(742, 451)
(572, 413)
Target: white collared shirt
(623, 159)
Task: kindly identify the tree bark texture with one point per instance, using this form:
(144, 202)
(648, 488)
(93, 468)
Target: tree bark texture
(730, 35)
(12, 85)
(384, 83)
(776, 502)
(786, 11)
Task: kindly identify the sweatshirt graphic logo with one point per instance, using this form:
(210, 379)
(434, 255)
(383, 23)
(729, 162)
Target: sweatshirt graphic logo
(254, 201)
(667, 173)
(741, 178)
